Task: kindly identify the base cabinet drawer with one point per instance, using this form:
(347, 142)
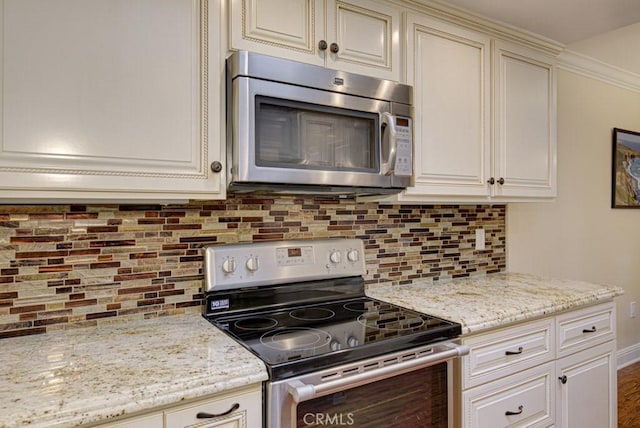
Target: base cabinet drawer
(584, 328)
(525, 399)
(234, 411)
(241, 408)
(503, 352)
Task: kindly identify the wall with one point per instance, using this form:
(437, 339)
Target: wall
(613, 47)
(77, 265)
(580, 236)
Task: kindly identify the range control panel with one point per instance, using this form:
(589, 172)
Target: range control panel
(271, 263)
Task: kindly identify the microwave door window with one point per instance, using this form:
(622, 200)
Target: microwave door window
(304, 136)
(318, 136)
(276, 142)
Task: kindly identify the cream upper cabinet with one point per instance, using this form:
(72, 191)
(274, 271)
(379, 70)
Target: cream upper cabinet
(524, 145)
(111, 99)
(449, 69)
(360, 36)
(484, 116)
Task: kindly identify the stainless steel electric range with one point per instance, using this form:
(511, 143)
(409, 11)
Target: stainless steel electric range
(335, 357)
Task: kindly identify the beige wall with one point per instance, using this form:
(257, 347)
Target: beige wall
(580, 236)
(618, 47)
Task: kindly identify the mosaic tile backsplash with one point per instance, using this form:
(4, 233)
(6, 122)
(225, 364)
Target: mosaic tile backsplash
(63, 266)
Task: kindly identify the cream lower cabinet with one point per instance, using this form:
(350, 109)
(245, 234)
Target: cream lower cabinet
(587, 368)
(557, 371)
(111, 99)
(236, 409)
(485, 113)
(359, 36)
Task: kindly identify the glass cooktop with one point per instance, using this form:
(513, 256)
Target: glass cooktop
(298, 339)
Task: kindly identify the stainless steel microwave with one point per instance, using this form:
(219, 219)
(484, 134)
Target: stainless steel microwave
(295, 128)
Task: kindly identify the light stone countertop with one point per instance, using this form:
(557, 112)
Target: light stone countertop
(495, 300)
(84, 375)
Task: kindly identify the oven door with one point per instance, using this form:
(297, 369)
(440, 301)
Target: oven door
(286, 134)
(408, 389)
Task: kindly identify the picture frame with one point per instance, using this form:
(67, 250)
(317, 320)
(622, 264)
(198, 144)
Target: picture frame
(625, 169)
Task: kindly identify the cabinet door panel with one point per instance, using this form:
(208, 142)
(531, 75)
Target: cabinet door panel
(366, 34)
(525, 129)
(106, 96)
(588, 398)
(285, 28)
(449, 69)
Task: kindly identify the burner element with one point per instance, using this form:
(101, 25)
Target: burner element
(355, 307)
(295, 339)
(312, 314)
(256, 323)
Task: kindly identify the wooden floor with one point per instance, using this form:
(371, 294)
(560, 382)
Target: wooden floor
(629, 396)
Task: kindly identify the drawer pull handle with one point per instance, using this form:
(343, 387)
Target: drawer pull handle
(590, 330)
(518, 352)
(563, 379)
(204, 415)
(520, 410)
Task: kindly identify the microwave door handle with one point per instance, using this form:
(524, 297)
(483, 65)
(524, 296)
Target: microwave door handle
(390, 137)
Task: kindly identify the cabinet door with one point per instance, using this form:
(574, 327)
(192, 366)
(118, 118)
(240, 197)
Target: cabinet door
(365, 34)
(525, 122)
(110, 99)
(449, 68)
(362, 33)
(587, 394)
(284, 28)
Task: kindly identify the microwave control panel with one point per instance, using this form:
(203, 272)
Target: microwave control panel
(404, 147)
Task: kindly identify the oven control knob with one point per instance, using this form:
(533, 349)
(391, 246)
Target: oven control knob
(353, 342)
(335, 345)
(353, 255)
(335, 257)
(229, 266)
(252, 264)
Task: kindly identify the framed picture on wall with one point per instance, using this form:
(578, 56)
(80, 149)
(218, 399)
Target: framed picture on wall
(625, 180)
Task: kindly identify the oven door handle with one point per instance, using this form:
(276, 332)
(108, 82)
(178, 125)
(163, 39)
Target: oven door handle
(300, 391)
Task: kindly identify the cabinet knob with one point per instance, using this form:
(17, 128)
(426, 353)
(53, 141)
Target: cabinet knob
(491, 181)
(501, 181)
(216, 166)
(322, 45)
(563, 379)
(334, 48)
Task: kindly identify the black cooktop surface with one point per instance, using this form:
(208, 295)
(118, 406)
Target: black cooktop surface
(298, 339)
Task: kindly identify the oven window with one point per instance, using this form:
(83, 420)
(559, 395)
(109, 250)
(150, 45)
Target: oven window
(417, 399)
(292, 134)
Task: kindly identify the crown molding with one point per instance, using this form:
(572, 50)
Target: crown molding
(590, 67)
